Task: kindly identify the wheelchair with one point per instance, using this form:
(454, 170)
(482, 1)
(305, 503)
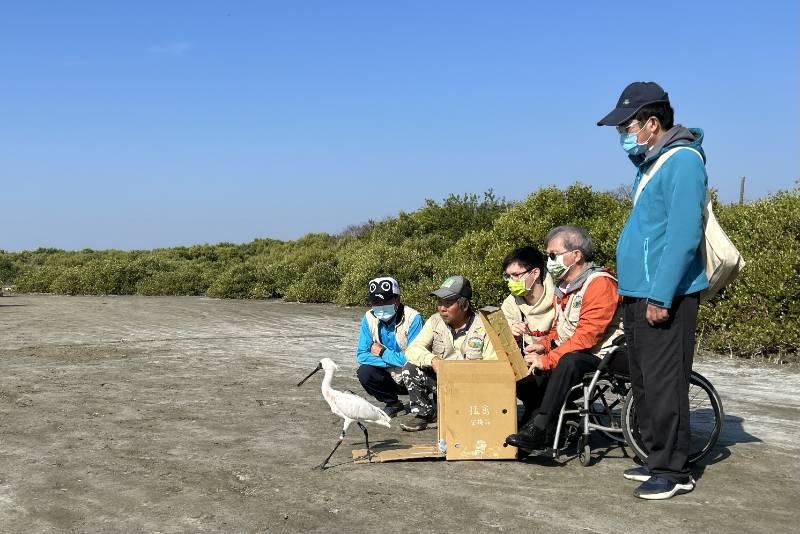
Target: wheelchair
(603, 401)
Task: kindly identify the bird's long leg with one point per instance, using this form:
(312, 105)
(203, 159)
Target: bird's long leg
(366, 440)
(339, 442)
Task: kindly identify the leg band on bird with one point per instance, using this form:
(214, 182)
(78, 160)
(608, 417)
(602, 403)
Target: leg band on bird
(339, 442)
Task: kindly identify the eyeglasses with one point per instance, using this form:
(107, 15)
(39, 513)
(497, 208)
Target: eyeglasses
(515, 276)
(624, 129)
(554, 255)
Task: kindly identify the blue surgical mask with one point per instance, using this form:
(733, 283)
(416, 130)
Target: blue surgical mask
(630, 145)
(384, 313)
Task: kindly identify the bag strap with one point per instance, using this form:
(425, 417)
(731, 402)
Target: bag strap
(662, 159)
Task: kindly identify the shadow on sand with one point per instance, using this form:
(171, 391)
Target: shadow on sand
(733, 433)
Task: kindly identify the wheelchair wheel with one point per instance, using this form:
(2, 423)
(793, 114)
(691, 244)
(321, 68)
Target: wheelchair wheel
(584, 451)
(705, 420)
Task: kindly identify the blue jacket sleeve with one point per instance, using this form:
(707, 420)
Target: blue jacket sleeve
(363, 355)
(396, 358)
(684, 196)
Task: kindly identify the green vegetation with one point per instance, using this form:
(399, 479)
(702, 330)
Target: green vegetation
(758, 315)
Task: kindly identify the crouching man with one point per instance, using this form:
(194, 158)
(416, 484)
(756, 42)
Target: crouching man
(386, 331)
(586, 325)
(455, 332)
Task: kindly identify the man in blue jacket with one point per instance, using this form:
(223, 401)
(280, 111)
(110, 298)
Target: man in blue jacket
(661, 272)
(386, 330)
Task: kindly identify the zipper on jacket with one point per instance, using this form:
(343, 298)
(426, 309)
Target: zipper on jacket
(646, 268)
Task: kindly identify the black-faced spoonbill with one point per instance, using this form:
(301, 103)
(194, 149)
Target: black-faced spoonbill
(348, 406)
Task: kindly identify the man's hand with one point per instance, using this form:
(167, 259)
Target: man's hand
(535, 361)
(436, 362)
(519, 328)
(534, 348)
(656, 314)
(376, 349)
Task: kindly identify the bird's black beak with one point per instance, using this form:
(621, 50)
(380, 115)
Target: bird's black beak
(319, 366)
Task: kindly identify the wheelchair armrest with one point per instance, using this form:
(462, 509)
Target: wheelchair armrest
(604, 362)
(615, 350)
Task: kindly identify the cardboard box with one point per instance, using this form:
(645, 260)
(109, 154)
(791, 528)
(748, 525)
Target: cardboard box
(477, 410)
(477, 404)
(503, 340)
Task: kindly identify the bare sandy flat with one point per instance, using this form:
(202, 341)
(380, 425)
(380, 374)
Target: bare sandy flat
(148, 414)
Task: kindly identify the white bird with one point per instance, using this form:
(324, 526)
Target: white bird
(348, 406)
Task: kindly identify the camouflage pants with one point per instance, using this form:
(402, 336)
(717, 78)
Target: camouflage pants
(421, 385)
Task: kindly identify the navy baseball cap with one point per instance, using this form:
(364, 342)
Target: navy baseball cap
(633, 98)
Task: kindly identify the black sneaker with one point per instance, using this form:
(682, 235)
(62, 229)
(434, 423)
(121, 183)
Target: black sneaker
(657, 488)
(640, 473)
(420, 422)
(529, 438)
(393, 409)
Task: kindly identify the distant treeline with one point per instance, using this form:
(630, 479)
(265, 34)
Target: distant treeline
(759, 315)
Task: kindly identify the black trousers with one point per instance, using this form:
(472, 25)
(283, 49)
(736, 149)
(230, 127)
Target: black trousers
(661, 361)
(379, 383)
(544, 394)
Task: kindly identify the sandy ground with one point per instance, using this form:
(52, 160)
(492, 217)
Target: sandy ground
(137, 414)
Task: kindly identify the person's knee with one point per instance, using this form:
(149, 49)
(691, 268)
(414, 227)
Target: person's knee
(567, 366)
(407, 374)
(569, 361)
(411, 372)
(366, 374)
(571, 368)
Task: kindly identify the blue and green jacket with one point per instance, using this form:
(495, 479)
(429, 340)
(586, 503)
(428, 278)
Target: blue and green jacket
(393, 356)
(658, 252)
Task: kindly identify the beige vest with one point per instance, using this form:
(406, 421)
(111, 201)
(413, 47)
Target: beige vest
(567, 318)
(467, 347)
(400, 329)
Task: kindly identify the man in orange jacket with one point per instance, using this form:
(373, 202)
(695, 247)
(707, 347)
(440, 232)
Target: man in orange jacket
(586, 324)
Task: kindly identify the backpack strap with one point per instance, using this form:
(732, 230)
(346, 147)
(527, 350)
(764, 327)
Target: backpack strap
(662, 159)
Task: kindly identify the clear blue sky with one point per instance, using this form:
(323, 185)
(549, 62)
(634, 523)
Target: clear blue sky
(159, 123)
